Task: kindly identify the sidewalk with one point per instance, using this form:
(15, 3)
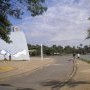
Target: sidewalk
(13, 68)
(81, 80)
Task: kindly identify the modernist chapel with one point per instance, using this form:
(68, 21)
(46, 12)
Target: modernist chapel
(17, 49)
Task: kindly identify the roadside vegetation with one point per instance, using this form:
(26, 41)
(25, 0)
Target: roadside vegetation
(85, 58)
(34, 50)
(87, 61)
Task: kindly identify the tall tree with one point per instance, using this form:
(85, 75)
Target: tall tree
(88, 32)
(88, 36)
(15, 8)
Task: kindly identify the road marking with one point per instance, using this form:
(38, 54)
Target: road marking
(46, 58)
(47, 65)
(56, 64)
(52, 65)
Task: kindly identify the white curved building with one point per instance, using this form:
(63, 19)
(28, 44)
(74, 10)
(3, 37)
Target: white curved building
(17, 49)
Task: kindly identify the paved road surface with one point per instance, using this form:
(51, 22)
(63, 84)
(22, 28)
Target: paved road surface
(43, 79)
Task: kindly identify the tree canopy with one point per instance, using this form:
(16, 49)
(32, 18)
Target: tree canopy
(35, 50)
(88, 36)
(15, 8)
(88, 31)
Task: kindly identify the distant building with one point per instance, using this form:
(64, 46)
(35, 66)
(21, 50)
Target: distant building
(18, 49)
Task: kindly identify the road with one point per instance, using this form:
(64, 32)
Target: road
(45, 78)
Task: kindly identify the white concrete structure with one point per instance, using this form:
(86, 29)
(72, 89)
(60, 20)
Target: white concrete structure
(17, 49)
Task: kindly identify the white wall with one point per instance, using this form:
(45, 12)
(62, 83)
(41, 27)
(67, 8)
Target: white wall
(18, 48)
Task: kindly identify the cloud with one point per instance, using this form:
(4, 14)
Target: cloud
(65, 20)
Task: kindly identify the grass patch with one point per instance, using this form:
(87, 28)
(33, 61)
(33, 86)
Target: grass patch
(87, 61)
(6, 68)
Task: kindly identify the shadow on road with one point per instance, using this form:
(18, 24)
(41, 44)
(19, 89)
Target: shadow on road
(26, 89)
(5, 84)
(9, 85)
(56, 85)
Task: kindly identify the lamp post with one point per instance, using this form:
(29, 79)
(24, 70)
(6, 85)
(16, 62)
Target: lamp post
(41, 52)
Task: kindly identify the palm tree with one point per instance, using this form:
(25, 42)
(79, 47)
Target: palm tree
(88, 32)
(81, 45)
(88, 36)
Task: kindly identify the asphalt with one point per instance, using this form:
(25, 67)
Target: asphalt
(81, 80)
(47, 77)
(10, 69)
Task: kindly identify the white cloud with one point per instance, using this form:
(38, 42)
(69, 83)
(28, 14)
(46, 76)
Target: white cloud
(64, 21)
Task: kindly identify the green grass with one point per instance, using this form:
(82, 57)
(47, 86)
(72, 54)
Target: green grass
(87, 61)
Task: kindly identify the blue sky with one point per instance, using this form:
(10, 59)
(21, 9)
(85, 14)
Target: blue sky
(65, 20)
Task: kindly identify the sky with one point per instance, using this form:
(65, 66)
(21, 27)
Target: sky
(65, 22)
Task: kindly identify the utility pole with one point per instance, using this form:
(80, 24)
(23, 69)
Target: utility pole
(41, 52)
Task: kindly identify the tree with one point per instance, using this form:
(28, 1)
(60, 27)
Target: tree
(34, 50)
(86, 49)
(15, 8)
(81, 45)
(68, 49)
(60, 49)
(88, 36)
(88, 32)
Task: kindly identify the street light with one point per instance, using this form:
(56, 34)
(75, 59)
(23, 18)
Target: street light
(41, 52)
